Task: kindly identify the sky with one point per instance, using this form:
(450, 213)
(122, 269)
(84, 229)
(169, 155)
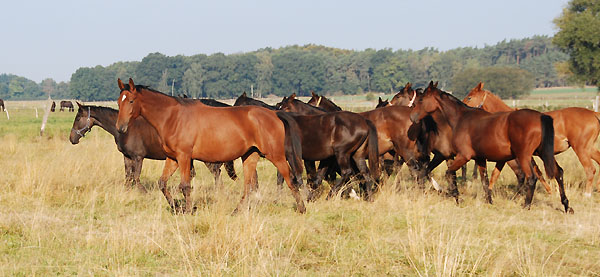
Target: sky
(52, 39)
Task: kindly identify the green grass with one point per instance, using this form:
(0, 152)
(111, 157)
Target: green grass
(65, 211)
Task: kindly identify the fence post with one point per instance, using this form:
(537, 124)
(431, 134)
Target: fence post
(46, 113)
(596, 103)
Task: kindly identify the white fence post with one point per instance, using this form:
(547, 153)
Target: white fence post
(596, 103)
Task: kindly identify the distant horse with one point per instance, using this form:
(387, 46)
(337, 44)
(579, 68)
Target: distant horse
(2, 105)
(66, 104)
(344, 136)
(244, 100)
(139, 143)
(53, 107)
(191, 130)
(573, 127)
(323, 103)
(498, 137)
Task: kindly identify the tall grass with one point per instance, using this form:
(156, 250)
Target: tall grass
(65, 210)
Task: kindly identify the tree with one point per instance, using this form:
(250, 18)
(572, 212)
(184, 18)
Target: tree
(264, 73)
(48, 86)
(506, 82)
(579, 36)
(193, 79)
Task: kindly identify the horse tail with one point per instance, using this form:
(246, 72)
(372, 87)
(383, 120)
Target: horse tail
(230, 170)
(293, 145)
(547, 145)
(373, 144)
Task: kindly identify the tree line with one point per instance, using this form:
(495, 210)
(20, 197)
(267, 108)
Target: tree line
(325, 70)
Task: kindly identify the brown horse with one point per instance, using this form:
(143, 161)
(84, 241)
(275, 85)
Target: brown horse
(323, 103)
(345, 137)
(139, 143)
(498, 137)
(381, 103)
(244, 100)
(53, 107)
(66, 104)
(573, 127)
(191, 130)
(2, 105)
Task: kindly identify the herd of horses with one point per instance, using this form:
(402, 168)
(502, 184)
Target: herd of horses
(294, 135)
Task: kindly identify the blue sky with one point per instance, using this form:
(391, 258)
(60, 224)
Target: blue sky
(52, 39)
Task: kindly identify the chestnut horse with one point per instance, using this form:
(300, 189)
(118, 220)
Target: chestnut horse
(139, 143)
(573, 127)
(344, 136)
(498, 137)
(191, 130)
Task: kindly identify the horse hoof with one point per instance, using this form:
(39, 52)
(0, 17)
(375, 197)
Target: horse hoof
(570, 211)
(301, 209)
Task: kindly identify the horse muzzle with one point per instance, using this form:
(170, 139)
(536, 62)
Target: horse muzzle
(122, 128)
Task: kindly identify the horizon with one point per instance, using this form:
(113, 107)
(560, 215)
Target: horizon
(70, 31)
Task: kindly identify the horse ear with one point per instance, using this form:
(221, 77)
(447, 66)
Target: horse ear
(244, 94)
(435, 85)
(313, 93)
(480, 85)
(408, 85)
(380, 100)
(131, 85)
(293, 96)
(121, 86)
(430, 84)
(78, 104)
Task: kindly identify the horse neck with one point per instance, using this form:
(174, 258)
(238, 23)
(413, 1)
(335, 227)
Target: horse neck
(494, 104)
(306, 109)
(157, 108)
(453, 109)
(106, 119)
(330, 106)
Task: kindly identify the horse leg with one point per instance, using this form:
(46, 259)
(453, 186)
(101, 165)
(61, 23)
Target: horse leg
(230, 170)
(482, 167)
(249, 161)
(282, 166)
(540, 176)
(346, 170)
(530, 179)
(215, 169)
(453, 166)
(185, 162)
(561, 188)
(521, 180)
(588, 166)
(371, 185)
(595, 154)
(128, 171)
(324, 167)
(474, 171)
(495, 175)
(279, 179)
(168, 170)
(137, 170)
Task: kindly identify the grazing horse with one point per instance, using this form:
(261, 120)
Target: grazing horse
(2, 105)
(53, 107)
(191, 130)
(139, 143)
(244, 100)
(573, 127)
(344, 136)
(498, 137)
(66, 104)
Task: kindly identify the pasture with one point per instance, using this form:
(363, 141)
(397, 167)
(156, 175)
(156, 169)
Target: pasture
(64, 210)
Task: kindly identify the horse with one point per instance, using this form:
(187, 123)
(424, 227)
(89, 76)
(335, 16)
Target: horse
(381, 103)
(2, 108)
(66, 104)
(344, 136)
(392, 124)
(573, 127)
(53, 107)
(498, 137)
(323, 103)
(244, 100)
(141, 142)
(191, 130)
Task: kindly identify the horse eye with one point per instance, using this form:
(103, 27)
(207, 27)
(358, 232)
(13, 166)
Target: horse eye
(130, 101)
(469, 98)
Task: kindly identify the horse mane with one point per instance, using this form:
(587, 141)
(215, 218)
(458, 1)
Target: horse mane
(180, 100)
(309, 106)
(101, 110)
(453, 98)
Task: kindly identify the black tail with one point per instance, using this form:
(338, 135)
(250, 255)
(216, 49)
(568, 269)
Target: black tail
(293, 145)
(546, 150)
(230, 170)
(373, 145)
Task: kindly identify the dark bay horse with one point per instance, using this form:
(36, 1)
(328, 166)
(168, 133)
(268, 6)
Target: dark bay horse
(381, 103)
(2, 105)
(139, 143)
(191, 130)
(346, 137)
(53, 107)
(498, 137)
(244, 100)
(66, 104)
(392, 124)
(573, 127)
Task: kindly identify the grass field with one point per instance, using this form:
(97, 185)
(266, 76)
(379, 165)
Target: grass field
(64, 210)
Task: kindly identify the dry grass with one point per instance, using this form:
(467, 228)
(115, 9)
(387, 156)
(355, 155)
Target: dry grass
(64, 210)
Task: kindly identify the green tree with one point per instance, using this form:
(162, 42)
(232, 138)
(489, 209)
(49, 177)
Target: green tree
(264, 73)
(506, 82)
(193, 79)
(579, 36)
